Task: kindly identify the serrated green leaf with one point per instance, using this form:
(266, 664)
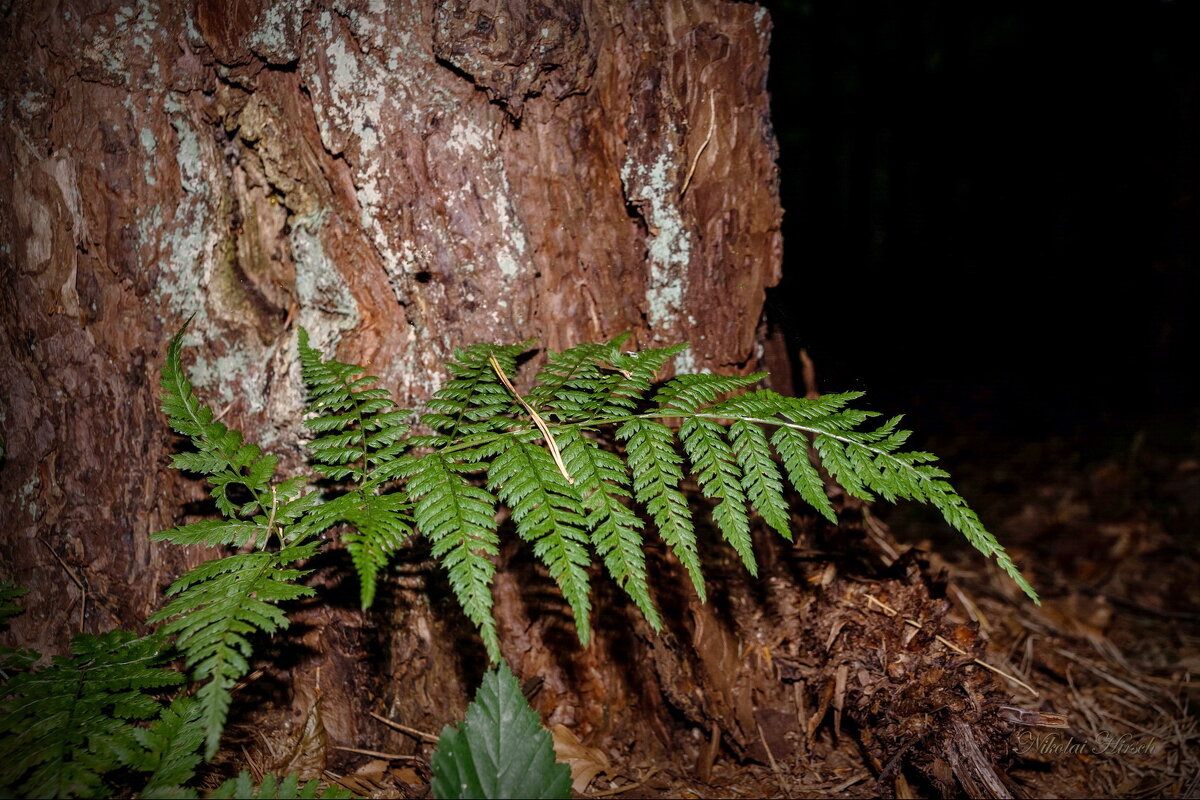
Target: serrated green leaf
(501, 750)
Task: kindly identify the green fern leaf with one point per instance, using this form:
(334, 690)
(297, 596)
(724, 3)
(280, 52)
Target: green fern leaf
(213, 533)
(630, 378)
(760, 476)
(549, 513)
(359, 418)
(686, 393)
(222, 455)
(217, 606)
(792, 447)
(65, 726)
(720, 479)
(171, 748)
(474, 400)
(569, 381)
(655, 465)
(9, 592)
(864, 463)
(363, 442)
(459, 519)
(382, 524)
(603, 481)
(272, 788)
(13, 660)
(833, 456)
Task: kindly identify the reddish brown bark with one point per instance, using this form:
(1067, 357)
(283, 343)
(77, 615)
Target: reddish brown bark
(399, 180)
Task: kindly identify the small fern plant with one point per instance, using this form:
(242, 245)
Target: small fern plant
(92, 723)
(580, 453)
(218, 605)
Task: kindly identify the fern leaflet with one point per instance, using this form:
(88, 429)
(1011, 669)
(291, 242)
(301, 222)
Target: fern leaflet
(474, 402)
(64, 726)
(603, 481)
(170, 749)
(362, 439)
(720, 478)
(272, 788)
(459, 518)
(656, 476)
(760, 477)
(549, 513)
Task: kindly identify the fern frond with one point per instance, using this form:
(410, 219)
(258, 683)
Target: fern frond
(459, 519)
(170, 749)
(474, 400)
(549, 513)
(217, 606)
(64, 726)
(720, 479)
(222, 455)
(734, 438)
(655, 465)
(603, 482)
(272, 788)
(363, 441)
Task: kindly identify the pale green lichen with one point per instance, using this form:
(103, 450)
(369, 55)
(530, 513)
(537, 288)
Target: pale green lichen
(470, 142)
(149, 142)
(327, 307)
(237, 374)
(670, 246)
(373, 69)
(150, 145)
(277, 30)
(134, 29)
(26, 494)
(185, 246)
(355, 100)
(685, 363)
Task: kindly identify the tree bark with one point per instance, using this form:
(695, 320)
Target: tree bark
(399, 179)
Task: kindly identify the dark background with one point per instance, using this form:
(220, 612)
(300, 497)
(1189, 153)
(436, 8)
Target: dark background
(992, 210)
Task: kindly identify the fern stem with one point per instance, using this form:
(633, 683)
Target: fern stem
(808, 429)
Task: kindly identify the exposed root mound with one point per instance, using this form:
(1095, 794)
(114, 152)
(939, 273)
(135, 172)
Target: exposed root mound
(910, 686)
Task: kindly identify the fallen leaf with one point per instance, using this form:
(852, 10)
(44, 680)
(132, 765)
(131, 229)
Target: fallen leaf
(585, 762)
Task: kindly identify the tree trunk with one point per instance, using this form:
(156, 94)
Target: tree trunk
(399, 179)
